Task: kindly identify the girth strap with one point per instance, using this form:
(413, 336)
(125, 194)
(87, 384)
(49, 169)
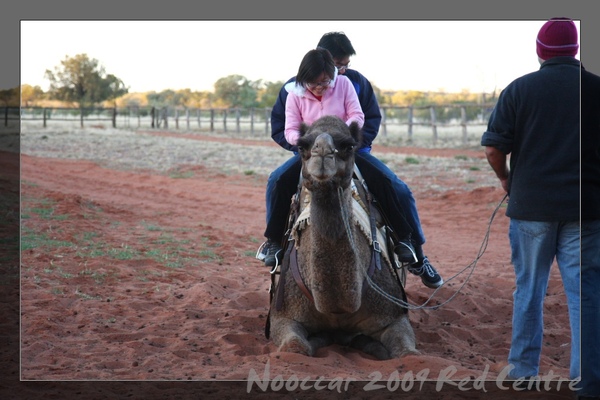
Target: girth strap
(376, 253)
(296, 274)
(290, 262)
(285, 265)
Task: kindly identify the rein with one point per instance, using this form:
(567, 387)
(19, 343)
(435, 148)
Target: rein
(346, 218)
(407, 305)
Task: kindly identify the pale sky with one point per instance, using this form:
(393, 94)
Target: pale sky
(394, 55)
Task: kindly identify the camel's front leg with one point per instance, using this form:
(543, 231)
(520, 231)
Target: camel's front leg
(290, 336)
(398, 338)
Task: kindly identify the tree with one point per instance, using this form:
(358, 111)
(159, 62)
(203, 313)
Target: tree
(166, 98)
(268, 93)
(30, 95)
(236, 91)
(9, 97)
(83, 81)
(202, 99)
(113, 88)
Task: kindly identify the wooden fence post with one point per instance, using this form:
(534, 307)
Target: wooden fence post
(410, 123)
(433, 124)
(267, 116)
(212, 120)
(225, 119)
(198, 114)
(187, 118)
(45, 116)
(463, 119)
(383, 120)
(81, 116)
(6, 116)
(237, 119)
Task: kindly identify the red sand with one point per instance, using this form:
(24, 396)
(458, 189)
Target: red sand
(105, 315)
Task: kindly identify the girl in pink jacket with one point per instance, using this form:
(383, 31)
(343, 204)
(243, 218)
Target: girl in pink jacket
(318, 91)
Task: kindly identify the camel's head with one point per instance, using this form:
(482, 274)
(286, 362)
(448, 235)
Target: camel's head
(327, 149)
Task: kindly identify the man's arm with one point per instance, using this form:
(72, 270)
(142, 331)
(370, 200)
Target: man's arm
(278, 120)
(369, 105)
(497, 161)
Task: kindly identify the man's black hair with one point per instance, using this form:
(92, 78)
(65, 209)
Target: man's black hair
(338, 44)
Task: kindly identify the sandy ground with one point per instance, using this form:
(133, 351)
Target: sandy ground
(137, 264)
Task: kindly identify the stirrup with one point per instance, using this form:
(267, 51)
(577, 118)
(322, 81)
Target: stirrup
(404, 246)
(259, 256)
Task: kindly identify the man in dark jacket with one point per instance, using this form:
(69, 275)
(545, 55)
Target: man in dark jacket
(394, 196)
(590, 236)
(537, 122)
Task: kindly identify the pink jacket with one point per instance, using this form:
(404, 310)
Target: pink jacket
(301, 106)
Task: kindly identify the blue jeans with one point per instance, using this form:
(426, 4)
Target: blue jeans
(534, 246)
(281, 186)
(394, 196)
(590, 308)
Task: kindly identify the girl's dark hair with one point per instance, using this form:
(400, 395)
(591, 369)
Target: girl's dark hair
(314, 63)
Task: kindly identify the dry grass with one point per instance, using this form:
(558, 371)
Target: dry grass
(144, 150)
(127, 149)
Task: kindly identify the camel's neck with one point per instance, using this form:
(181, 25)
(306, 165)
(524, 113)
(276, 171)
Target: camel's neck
(330, 218)
(335, 266)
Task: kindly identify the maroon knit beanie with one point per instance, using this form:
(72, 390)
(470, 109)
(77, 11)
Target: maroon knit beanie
(557, 37)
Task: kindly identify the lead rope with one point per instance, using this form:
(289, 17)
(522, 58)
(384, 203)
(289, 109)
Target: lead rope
(472, 265)
(346, 219)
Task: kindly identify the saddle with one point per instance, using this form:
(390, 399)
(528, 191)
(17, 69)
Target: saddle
(366, 214)
(360, 216)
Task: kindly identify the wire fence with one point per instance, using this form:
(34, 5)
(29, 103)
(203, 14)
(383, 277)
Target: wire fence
(436, 123)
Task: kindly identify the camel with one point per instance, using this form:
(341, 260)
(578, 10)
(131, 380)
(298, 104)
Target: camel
(326, 292)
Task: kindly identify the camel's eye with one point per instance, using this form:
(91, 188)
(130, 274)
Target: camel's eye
(346, 146)
(304, 144)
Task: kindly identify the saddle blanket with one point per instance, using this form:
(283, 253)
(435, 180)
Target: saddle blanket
(360, 217)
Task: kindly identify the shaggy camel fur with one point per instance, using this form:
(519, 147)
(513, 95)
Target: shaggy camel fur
(335, 303)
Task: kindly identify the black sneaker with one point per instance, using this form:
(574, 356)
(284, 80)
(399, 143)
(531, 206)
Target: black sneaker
(428, 274)
(270, 253)
(405, 252)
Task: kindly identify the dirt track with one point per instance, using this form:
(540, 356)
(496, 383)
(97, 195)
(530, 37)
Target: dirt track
(149, 273)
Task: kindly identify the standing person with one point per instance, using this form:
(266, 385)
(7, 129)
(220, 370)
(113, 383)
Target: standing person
(536, 121)
(394, 196)
(589, 386)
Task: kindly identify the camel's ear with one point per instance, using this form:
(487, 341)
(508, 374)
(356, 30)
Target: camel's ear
(356, 132)
(303, 129)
